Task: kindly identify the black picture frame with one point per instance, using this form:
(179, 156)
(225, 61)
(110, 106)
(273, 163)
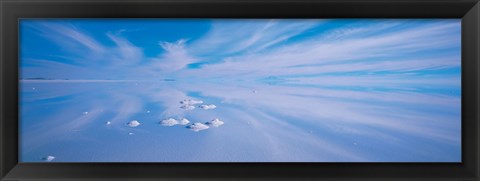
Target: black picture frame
(12, 10)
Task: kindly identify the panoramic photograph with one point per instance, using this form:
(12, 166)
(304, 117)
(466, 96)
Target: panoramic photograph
(240, 90)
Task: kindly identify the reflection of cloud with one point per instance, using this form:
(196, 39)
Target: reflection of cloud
(197, 127)
(216, 122)
(133, 123)
(48, 158)
(169, 98)
(365, 108)
(169, 122)
(211, 106)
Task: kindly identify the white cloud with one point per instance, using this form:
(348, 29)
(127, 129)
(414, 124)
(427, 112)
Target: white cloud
(314, 56)
(79, 48)
(67, 32)
(216, 122)
(175, 57)
(169, 122)
(124, 52)
(133, 123)
(227, 37)
(179, 45)
(48, 158)
(206, 107)
(108, 123)
(198, 127)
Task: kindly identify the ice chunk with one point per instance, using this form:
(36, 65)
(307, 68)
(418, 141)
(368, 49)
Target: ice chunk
(210, 106)
(197, 127)
(133, 123)
(216, 122)
(169, 122)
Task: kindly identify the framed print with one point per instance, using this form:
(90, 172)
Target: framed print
(344, 90)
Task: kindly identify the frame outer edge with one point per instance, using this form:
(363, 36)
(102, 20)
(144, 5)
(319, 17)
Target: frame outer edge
(477, 175)
(2, 82)
(477, 75)
(2, 136)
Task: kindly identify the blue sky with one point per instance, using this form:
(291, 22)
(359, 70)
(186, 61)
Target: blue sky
(110, 49)
(352, 81)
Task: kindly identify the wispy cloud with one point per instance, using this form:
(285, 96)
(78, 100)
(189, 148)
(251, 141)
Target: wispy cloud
(66, 34)
(125, 51)
(233, 36)
(372, 53)
(81, 49)
(174, 58)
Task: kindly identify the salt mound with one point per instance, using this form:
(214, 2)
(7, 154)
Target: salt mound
(184, 121)
(211, 106)
(187, 107)
(133, 123)
(190, 102)
(48, 158)
(216, 122)
(197, 127)
(169, 122)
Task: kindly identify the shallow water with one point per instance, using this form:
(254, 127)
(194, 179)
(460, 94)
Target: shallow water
(263, 122)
